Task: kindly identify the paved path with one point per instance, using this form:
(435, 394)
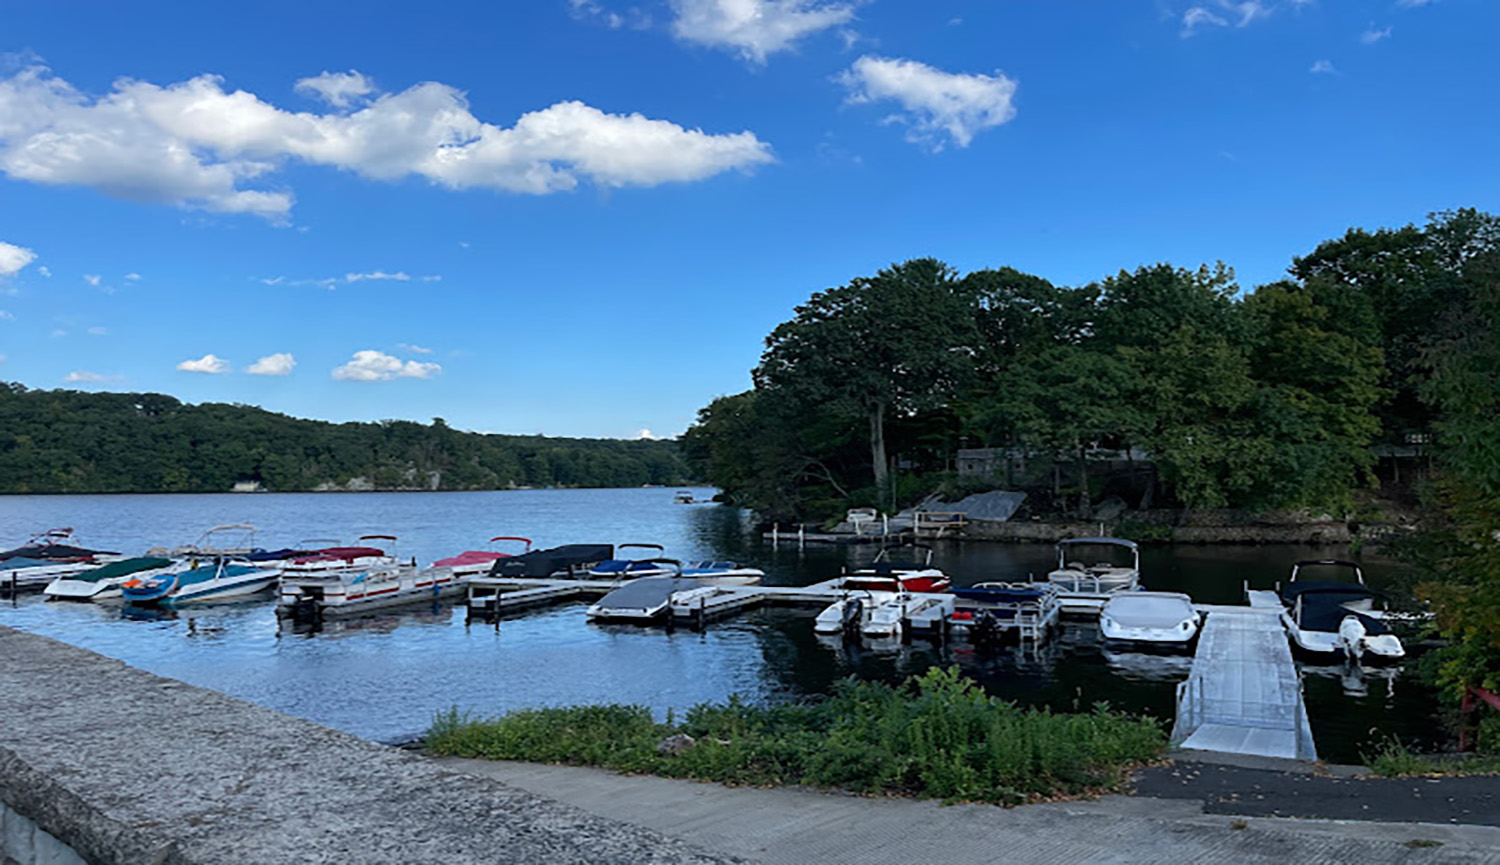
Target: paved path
(799, 826)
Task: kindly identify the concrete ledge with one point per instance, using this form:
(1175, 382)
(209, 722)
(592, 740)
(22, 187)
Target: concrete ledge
(127, 767)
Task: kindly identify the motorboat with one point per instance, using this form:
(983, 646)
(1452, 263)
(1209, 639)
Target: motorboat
(230, 540)
(218, 580)
(621, 568)
(45, 557)
(1337, 618)
(316, 595)
(898, 569)
(1166, 619)
(641, 600)
(684, 497)
(882, 610)
(471, 562)
(104, 582)
(721, 573)
(992, 612)
(569, 561)
(1085, 587)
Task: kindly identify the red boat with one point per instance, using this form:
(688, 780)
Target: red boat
(904, 569)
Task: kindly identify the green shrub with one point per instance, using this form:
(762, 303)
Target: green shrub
(937, 735)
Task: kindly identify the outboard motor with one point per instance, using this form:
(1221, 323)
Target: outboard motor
(854, 610)
(1352, 637)
(985, 631)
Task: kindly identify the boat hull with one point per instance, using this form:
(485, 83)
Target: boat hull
(347, 594)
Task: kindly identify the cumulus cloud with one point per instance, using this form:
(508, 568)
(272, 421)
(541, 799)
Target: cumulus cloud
(83, 376)
(645, 433)
(44, 270)
(14, 258)
(755, 29)
(210, 364)
(273, 364)
(196, 145)
(934, 102)
(339, 89)
(92, 279)
(1371, 35)
(378, 366)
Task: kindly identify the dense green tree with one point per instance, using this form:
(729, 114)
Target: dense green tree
(898, 342)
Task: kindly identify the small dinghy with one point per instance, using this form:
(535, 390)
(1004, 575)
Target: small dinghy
(1165, 619)
(643, 600)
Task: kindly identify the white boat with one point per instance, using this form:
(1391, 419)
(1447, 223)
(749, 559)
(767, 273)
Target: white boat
(720, 573)
(621, 568)
(104, 582)
(45, 557)
(1337, 618)
(361, 556)
(988, 613)
(641, 600)
(471, 563)
(228, 541)
(329, 593)
(1166, 619)
(1085, 587)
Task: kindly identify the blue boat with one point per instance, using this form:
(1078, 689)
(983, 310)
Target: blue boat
(212, 582)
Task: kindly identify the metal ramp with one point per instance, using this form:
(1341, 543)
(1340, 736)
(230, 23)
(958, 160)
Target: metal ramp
(1244, 695)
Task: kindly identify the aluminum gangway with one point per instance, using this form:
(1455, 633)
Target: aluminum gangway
(1244, 695)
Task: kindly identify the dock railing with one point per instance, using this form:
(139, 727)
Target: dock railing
(939, 523)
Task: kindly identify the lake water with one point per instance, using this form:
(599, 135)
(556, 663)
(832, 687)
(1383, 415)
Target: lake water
(384, 677)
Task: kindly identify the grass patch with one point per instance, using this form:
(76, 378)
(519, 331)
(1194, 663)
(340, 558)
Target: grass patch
(1392, 759)
(938, 735)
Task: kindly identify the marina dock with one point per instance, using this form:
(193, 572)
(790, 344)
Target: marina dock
(1244, 694)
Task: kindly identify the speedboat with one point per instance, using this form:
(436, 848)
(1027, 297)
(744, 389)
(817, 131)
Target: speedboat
(1086, 587)
(471, 562)
(1165, 619)
(44, 558)
(899, 569)
(231, 540)
(315, 595)
(218, 580)
(104, 582)
(992, 612)
(1338, 618)
(630, 569)
(641, 600)
(717, 573)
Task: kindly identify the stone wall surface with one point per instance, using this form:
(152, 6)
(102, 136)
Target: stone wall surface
(127, 767)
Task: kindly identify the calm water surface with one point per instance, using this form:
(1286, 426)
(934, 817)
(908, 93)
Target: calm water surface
(384, 676)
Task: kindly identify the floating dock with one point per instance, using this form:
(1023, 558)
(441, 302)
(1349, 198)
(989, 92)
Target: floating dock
(1244, 694)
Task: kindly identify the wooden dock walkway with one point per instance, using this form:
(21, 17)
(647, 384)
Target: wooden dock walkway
(1244, 695)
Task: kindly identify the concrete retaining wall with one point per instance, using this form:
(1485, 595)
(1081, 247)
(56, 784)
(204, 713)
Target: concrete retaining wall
(127, 767)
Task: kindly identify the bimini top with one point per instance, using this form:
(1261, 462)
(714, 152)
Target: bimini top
(1116, 542)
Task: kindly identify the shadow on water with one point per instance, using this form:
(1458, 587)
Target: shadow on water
(383, 676)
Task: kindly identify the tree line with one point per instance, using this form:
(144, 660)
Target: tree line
(1249, 399)
(63, 441)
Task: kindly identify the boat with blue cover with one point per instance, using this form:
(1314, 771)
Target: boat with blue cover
(621, 568)
(1338, 618)
(995, 611)
(722, 573)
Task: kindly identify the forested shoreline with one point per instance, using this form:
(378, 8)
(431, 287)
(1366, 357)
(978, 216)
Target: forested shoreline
(64, 441)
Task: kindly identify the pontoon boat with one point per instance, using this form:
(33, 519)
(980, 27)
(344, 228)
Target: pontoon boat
(1084, 586)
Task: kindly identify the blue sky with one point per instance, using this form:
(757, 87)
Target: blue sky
(581, 217)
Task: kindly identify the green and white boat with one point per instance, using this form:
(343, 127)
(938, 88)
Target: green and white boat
(108, 581)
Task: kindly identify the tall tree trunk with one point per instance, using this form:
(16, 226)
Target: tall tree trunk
(1083, 483)
(877, 446)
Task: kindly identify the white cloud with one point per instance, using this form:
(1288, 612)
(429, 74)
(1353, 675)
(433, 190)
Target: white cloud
(44, 270)
(210, 364)
(414, 349)
(194, 144)
(339, 89)
(98, 331)
(633, 17)
(133, 277)
(433, 277)
(398, 276)
(935, 101)
(273, 364)
(1224, 13)
(84, 376)
(14, 258)
(1372, 35)
(378, 366)
(92, 279)
(1323, 67)
(1414, 4)
(1197, 17)
(755, 28)
(644, 433)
